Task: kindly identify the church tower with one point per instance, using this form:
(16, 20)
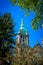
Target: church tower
(22, 36)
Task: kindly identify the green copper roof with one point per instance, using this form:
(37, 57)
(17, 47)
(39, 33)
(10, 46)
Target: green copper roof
(22, 24)
(23, 31)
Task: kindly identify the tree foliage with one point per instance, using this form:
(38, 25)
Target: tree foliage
(32, 5)
(6, 39)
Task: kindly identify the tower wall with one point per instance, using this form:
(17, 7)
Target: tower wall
(18, 39)
(42, 42)
(27, 40)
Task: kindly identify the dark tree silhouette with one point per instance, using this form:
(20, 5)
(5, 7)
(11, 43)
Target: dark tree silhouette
(7, 31)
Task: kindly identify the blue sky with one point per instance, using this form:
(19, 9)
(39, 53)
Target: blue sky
(16, 13)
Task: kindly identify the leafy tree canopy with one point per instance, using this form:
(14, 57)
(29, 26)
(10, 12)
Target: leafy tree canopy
(32, 5)
(7, 32)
